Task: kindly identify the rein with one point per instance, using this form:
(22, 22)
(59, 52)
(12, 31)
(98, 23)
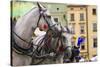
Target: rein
(21, 38)
(21, 50)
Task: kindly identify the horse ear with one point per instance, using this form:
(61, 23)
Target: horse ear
(41, 7)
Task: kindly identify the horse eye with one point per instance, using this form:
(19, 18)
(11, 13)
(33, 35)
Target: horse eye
(64, 38)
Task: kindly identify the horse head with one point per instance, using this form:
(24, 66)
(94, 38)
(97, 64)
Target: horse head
(61, 41)
(45, 20)
(66, 38)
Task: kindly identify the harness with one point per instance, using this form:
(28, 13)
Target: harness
(59, 44)
(27, 51)
(19, 49)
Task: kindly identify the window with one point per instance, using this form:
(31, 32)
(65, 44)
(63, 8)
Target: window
(81, 17)
(82, 30)
(72, 17)
(81, 8)
(82, 47)
(57, 8)
(94, 11)
(56, 19)
(94, 27)
(94, 42)
(71, 8)
(73, 29)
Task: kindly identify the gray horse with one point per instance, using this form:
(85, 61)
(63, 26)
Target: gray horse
(51, 47)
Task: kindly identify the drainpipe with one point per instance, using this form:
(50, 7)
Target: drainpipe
(87, 31)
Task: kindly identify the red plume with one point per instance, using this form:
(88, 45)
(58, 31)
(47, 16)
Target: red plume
(45, 26)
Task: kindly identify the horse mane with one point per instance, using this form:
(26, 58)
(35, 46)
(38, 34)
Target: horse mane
(29, 11)
(21, 19)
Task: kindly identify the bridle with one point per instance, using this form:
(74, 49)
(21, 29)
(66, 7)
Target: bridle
(42, 15)
(28, 51)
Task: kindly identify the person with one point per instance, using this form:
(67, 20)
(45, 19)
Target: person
(66, 61)
(82, 59)
(41, 30)
(93, 59)
(77, 58)
(75, 54)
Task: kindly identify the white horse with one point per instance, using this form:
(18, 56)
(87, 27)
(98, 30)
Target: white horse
(51, 48)
(22, 34)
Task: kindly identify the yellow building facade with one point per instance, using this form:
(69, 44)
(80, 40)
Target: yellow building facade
(92, 30)
(83, 21)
